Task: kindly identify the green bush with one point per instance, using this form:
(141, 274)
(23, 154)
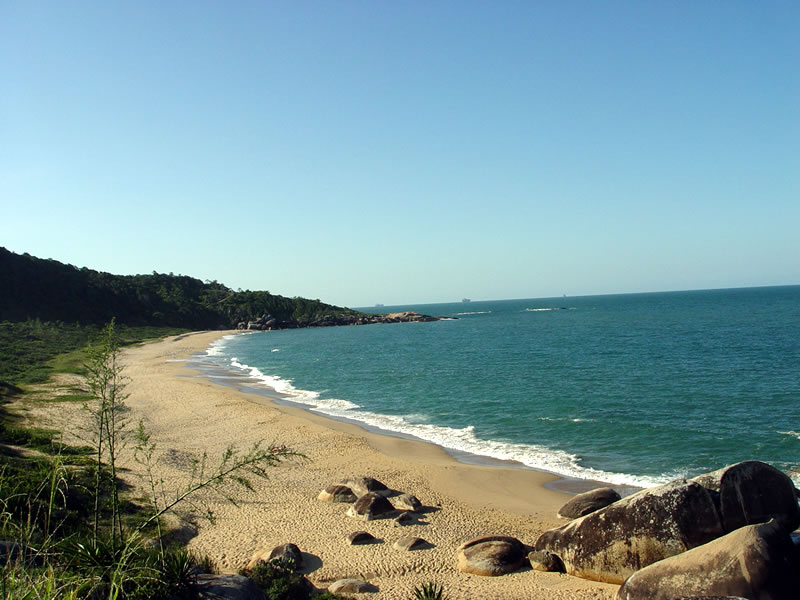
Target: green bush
(429, 591)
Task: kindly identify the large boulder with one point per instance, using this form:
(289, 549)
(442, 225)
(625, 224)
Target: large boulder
(371, 506)
(752, 492)
(752, 562)
(492, 556)
(612, 543)
(365, 485)
(588, 502)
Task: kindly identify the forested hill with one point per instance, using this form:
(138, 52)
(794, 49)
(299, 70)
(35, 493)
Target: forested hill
(35, 288)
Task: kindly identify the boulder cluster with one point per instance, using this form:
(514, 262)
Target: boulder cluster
(726, 534)
(723, 534)
(268, 322)
(368, 499)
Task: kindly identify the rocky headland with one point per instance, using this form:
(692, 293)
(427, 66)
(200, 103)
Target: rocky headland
(268, 322)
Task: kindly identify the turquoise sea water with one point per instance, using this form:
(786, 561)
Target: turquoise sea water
(631, 389)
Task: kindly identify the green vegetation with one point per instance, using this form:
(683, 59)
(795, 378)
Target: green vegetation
(32, 350)
(429, 591)
(71, 532)
(34, 288)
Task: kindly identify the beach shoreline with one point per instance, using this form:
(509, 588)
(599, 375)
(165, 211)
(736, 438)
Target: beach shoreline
(256, 388)
(187, 413)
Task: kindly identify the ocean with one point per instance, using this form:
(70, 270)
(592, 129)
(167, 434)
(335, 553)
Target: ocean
(633, 389)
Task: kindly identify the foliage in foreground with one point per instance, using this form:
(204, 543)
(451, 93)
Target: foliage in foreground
(429, 591)
(280, 581)
(74, 534)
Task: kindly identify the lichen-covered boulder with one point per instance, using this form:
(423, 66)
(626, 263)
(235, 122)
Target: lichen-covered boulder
(337, 493)
(588, 502)
(752, 492)
(752, 562)
(492, 555)
(612, 543)
(371, 506)
(365, 485)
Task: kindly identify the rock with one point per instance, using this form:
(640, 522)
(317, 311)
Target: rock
(364, 485)
(588, 502)
(229, 587)
(752, 562)
(404, 518)
(752, 492)
(612, 543)
(491, 556)
(360, 537)
(337, 493)
(351, 586)
(409, 542)
(542, 560)
(407, 502)
(370, 506)
(288, 552)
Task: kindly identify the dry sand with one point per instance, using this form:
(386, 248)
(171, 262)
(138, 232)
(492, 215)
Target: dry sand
(188, 414)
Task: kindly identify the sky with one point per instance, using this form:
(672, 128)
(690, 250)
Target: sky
(406, 152)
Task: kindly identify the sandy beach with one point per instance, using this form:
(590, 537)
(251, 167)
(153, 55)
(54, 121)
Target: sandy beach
(188, 414)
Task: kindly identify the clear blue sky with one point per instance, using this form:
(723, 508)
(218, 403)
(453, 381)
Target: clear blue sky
(399, 152)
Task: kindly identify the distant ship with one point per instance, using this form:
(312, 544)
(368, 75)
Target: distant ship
(379, 305)
(466, 300)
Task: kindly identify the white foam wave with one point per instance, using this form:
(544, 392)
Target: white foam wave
(477, 312)
(285, 388)
(539, 309)
(276, 349)
(217, 347)
(452, 438)
(792, 433)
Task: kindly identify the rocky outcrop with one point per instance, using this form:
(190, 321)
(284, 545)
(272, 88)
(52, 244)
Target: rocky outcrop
(752, 562)
(588, 502)
(491, 556)
(268, 322)
(370, 506)
(614, 542)
(337, 493)
(351, 586)
(752, 492)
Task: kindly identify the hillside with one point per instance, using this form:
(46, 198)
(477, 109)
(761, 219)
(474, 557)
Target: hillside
(45, 289)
